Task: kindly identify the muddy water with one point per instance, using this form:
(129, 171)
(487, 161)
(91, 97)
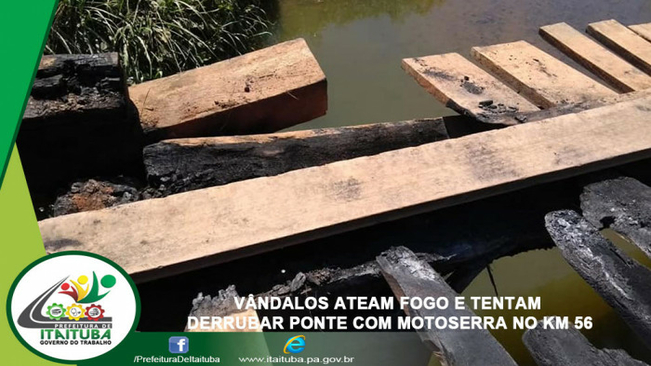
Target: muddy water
(359, 44)
(563, 292)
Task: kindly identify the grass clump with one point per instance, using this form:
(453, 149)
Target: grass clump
(158, 37)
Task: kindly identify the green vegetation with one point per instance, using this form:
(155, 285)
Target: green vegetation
(159, 37)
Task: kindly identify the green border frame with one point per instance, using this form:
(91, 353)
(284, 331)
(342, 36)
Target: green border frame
(24, 26)
(62, 254)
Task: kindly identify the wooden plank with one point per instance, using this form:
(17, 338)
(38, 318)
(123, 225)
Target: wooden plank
(554, 347)
(159, 237)
(643, 30)
(538, 76)
(621, 281)
(259, 92)
(408, 276)
(465, 88)
(622, 204)
(624, 42)
(621, 75)
(187, 164)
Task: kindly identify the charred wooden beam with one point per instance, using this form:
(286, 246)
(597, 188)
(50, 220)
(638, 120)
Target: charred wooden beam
(621, 281)
(409, 276)
(622, 204)
(77, 124)
(180, 165)
(556, 347)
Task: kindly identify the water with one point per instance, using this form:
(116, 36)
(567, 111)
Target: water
(563, 292)
(360, 43)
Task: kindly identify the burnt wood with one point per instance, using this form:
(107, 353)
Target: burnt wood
(77, 123)
(556, 347)
(621, 281)
(175, 166)
(409, 276)
(622, 204)
(221, 305)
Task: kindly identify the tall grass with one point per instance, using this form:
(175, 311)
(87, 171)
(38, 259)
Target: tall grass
(158, 37)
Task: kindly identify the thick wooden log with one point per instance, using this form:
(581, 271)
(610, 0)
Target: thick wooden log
(180, 165)
(467, 89)
(623, 205)
(77, 111)
(623, 76)
(621, 281)
(539, 77)
(259, 92)
(556, 347)
(223, 223)
(411, 277)
(624, 42)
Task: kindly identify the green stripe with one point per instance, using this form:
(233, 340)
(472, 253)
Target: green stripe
(24, 25)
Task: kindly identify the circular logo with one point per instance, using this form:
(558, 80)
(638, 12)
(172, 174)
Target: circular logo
(72, 306)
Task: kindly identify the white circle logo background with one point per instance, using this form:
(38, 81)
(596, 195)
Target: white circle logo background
(120, 303)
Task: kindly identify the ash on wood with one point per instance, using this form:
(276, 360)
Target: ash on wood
(467, 89)
(259, 92)
(180, 165)
(175, 166)
(554, 347)
(411, 277)
(222, 305)
(94, 195)
(573, 108)
(622, 204)
(77, 123)
(621, 281)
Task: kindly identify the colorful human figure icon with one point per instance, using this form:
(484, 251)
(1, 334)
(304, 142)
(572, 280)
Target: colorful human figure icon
(84, 292)
(79, 285)
(70, 291)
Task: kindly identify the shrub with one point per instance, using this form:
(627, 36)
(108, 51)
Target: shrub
(158, 37)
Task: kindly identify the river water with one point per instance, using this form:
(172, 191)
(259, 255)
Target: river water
(359, 45)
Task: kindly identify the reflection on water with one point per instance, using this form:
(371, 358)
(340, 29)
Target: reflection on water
(563, 292)
(359, 44)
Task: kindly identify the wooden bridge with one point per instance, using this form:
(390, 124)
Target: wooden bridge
(561, 123)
